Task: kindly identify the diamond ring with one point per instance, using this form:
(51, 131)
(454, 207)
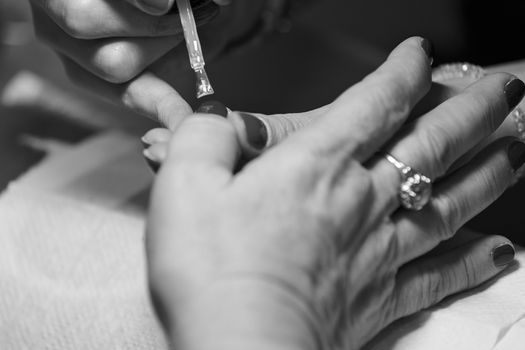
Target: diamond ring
(415, 189)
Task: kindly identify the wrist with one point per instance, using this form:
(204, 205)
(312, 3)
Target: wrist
(246, 314)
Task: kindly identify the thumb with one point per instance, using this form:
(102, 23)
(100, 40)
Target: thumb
(257, 132)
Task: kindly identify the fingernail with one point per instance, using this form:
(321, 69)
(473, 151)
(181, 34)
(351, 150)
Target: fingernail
(155, 7)
(256, 133)
(428, 48)
(154, 136)
(516, 154)
(514, 91)
(503, 255)
(145, 142)
(213, 107)
(154, 165)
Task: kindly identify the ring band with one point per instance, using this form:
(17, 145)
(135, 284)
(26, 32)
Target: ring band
(415, 189)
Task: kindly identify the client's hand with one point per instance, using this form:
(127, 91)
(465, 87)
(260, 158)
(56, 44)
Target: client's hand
(128, 50)
(307, 247)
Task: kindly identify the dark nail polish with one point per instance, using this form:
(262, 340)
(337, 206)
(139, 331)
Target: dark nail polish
(514, 91)
(516, 154)
(213, 107)
(503, 255)
(257, 135)
(429, 49)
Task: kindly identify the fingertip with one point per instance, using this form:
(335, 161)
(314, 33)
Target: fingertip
(156, 135)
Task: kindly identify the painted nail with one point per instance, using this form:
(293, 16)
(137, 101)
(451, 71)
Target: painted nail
(503, 255)
(213, 107)
(516, 154)
(256, 133)
(514, 91)
(428, 48)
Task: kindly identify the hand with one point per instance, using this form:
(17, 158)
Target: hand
(306, 246)
(130, 51)
(258, 132)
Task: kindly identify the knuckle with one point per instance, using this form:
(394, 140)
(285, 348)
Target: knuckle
(440, 146)
(467, 275)
(436, 284)
(117, 62)
(450, 213)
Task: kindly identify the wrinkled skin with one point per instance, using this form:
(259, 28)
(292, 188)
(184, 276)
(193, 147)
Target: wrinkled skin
(306, 247)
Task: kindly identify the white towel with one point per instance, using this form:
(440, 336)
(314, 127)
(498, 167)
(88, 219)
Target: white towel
(72, 276)
(72, 267)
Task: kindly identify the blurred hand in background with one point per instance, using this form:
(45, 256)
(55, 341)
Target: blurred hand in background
(132, 51)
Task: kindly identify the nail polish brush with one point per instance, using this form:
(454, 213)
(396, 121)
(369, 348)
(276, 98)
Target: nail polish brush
(193, 45)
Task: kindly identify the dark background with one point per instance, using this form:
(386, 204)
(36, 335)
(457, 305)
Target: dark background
(328, 49)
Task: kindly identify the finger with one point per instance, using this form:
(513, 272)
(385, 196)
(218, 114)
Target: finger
(115, 60)
(258, 132)
(146, 94)
(204, 145)
(157, 135)
(440, 92)
(96, 19)
(432, 143)
(461, 238)
(458, 124)
(509, 128)
(458, 198)
(425, 282)
(369, 113)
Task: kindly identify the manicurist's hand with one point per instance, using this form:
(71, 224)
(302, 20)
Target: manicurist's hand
(307, 246)
(130, 51)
